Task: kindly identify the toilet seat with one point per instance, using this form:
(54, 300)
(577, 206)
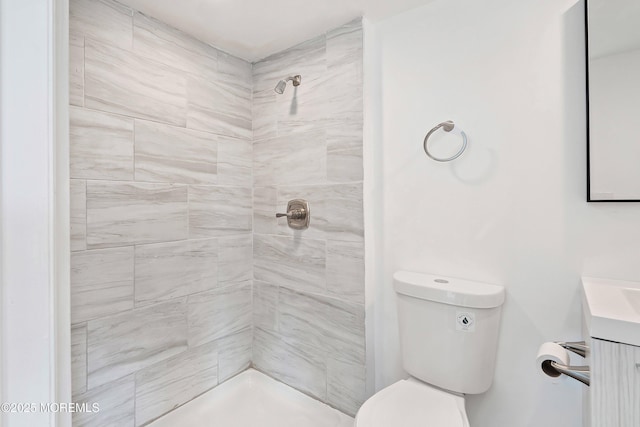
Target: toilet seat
(409, 403)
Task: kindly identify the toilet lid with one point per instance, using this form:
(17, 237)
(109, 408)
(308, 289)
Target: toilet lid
(410, 404)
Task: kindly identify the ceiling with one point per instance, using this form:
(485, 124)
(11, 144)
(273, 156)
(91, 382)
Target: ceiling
(255, 29)
(613, 27)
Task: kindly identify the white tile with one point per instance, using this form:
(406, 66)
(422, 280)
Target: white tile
(175, 269)
(344, 153)
(78, 214)
(101, 283)
(221, 107)
(172, 154)
(234, 353)
(265, 306)
(265, 207)
(100, 145)
(123, 82)
(78, 359)
(235, 161)
(106, 21)
(287, 261)
(345, 270)
(115, 403)
(218, 313)
(219, 211)
(135, 213)
(346, 385)
(76, 74)
(173, 382)
(125, 343)
(235, 262)
(162, 43)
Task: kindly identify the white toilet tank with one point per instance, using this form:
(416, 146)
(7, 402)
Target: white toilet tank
(449, 330)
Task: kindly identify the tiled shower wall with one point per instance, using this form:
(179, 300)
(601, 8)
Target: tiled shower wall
(309, 285)
(161, 193)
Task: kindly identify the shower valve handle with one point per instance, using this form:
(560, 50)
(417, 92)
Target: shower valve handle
(293, 214)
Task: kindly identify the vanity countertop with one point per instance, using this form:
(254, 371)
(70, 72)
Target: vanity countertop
(612, 309)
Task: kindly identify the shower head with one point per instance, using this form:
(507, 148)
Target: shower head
(282, 84)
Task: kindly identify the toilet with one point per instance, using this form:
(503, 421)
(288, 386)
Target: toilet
(448, 336)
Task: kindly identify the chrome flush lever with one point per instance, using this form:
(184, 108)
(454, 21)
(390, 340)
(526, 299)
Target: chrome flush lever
(297, 214)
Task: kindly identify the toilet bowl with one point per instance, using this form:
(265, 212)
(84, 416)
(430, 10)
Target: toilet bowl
(448, 335)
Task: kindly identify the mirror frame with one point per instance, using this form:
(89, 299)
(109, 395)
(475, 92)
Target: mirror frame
(586, 43)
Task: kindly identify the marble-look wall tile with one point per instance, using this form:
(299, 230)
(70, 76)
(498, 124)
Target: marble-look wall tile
(292, 364)
(345, 270)
(173, 382)
(292, 159)
(322, 324)
(265, 306)
(175, 269)
(219, 211)
(100, 145)
(344, 153)
(78, 214)
(78, 359)
(346, 385)
(125, 343)
(101, 283)
(116, 403)
(265, 114)
(135, 213)
(234, 354)
(288, 261)
(160, 42)
(172, 154)
(235, 162)
(221, 107)
(124, 82)
(76, 74)
(265, 207)
(106, 21)
(218, 313)
(305, 108)
(235, 262)
(231, 68)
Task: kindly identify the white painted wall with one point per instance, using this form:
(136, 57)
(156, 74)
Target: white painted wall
(614, 95)
(513, 209)
(34, 209)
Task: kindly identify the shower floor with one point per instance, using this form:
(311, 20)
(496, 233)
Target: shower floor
(254, 399)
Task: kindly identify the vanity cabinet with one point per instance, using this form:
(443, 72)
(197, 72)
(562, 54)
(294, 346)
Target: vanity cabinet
(615, 384)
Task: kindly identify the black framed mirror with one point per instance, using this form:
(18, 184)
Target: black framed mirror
(613, 100)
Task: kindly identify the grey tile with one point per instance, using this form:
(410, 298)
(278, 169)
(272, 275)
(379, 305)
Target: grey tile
(322, 324)
(102, 20)
(345, 270)
(235, 161)
(346, 387)
(299, 159)
(288, 261)
(100, 145)
(160, 42)
(176, 269)
(316, 196)
(344, 153)
(221, 107)
(101, 283)
(293, 365)
(172, 154)
(173, 382)
(235, 263)
(78, 359)
(265, 306)
(116, 405)
(123, 82)
(76, 74)
(125, 343)
(235, 69)
(265, 114)
(305, 108)
(218, 313)
(265, 206)
(135, 213)
(345, 44)
(219, 211)
(78, 214)
(234, 354)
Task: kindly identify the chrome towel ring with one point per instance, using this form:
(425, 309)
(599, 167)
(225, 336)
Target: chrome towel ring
(447, 126)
